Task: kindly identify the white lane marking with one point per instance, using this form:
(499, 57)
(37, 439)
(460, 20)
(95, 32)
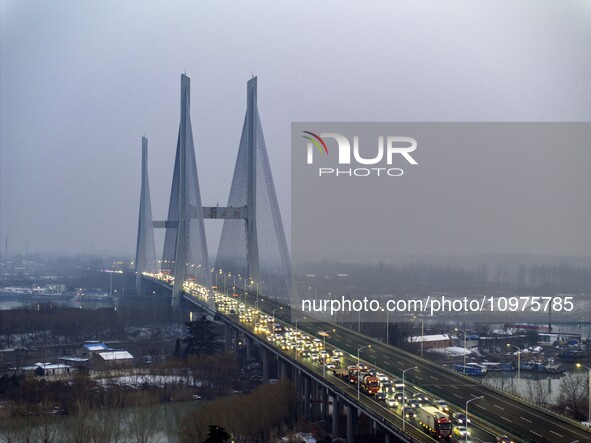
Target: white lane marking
(534, 432)
(481, 407)
(455, 387)
(434, 378)
(497, 406)
(461, 398)
(400, 363)
(420, 378)
(504, 418)
(556, 433)
(523, 418)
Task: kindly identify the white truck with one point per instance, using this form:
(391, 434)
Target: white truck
(434, 421)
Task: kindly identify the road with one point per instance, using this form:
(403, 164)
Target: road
(502, 411)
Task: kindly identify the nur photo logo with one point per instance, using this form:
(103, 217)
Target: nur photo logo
(349, 151)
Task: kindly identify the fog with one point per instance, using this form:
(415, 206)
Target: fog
(80, 83)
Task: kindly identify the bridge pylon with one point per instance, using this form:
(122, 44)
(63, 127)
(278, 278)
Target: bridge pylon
(185, 248)
(253, 243)
(256, 247)
(145, 253)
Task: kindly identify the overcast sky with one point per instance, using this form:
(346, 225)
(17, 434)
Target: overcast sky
(81, 82)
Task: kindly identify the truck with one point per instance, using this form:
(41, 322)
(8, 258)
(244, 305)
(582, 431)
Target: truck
(371, 384)
(434, 422)
(353, 371)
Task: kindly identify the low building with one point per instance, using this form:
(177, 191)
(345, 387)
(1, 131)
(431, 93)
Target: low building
(75, 362)
(559, 338)
(472, 340)
(432, 341)
(90, 348)
(47, 368)
(111, 359)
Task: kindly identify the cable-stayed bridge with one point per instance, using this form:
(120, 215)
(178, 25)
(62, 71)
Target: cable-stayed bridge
(252, 244)
(254, 249)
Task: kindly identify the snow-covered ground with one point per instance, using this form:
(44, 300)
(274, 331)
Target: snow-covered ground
(451, 351)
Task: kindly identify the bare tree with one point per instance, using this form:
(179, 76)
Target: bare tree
(537, 392)
(144, 418)
(573, 397)
(106, 426)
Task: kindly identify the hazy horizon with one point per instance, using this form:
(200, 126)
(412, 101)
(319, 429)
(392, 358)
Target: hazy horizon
(81, 84)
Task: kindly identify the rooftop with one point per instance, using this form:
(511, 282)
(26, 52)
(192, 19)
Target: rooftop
(115, 355)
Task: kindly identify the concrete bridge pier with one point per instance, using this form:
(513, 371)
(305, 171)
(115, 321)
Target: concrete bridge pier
(265, 363)
(281, 368)
(351, 416)
(335, 416)
(306, 397)
(388, 438)
(315, 400)
(249, 348)
(228, 332)
(324, 407)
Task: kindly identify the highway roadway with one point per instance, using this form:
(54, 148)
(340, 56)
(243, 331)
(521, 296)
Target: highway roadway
(502, 411)
(477, 434)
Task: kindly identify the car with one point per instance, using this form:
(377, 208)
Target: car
(381, 396)
(387, 388)
(392, 402)
(442, 405)
(505, 439)
(362, 367)
(398, 384)
(459, 418)
(337, 352)
(305, 354)
(421, 398)
(413, 403)
(460, 431)
(398, 396)
(314, 356)
(408, 412)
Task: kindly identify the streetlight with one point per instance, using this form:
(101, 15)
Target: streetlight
(579, 365)
(472, 399)
(325, 334)
(404, 396)
(465, 347)
(358, 371)
(296, 336)
(273, 326)
(387, 326)
(518, 363)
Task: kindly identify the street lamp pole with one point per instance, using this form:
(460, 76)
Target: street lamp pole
(387, 326)
(358, 371)
(324, 335)
(465, 346)
(296, 334)
(422, 336)
(579, 365)
(472, 399)
(518, 363)
(273, 326)
(404, 396)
